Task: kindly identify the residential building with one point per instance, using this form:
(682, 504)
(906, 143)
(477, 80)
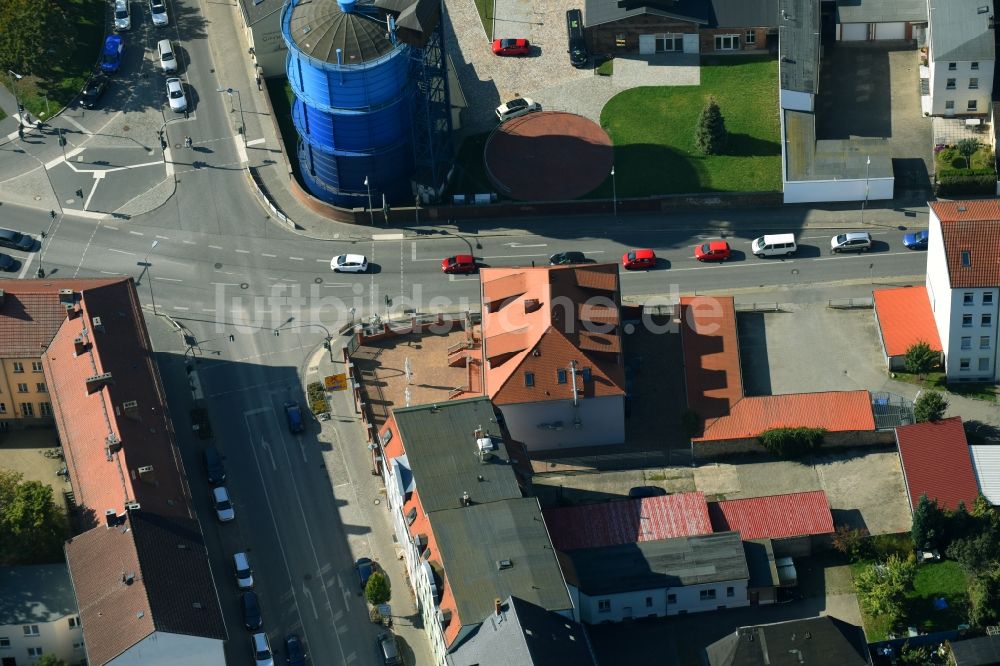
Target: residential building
(39, 615)
(817, 640)
(156, 604)
(960, 57)
(261, 21)
(467, 535)
(986, 464)
(936, 462)
(791, 521)
(981, 651)
(876, 20)
(904, 318)
(551, 357)
(518, 633)
(963, 284)
(657, 578)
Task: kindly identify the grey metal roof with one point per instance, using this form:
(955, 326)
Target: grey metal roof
(473, 540)
(760, 563)
(648, 565)
(525, 634)
(36, 593)
(743, 14)
(960, 31)
(881, 11)
(819, 640)
(441, 451)
(319, 27)
(596, 12)
(981, 651)
(809, 159)
(798, 45)
(255, 10)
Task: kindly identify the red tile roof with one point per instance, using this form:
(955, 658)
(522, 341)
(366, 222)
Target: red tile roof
(711, 353)
(835, 411)
(775, 516)
(905, 318)
(628, 521)
(972, 226)
(936, 461)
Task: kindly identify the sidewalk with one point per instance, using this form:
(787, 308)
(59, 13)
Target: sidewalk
(8, 126)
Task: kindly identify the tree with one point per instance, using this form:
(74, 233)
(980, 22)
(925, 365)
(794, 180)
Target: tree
(882, 588)
(976, 554)
(49, 659)
(967, 148)
(984, 599)
(377, 590)
(850, 542)
(32, 527)
(792, 442)
(920, 359)
(24, 35)
(928, 523)
(711, 135)
(930, 406)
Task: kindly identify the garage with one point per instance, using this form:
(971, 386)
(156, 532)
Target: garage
(854, 32)
(885, 31)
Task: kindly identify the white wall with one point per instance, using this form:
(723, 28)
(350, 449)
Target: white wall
(602, 422)
(269, 47)
(805, 191)
(961, 94)
(54, 637)
(793, 100)
(626, 605)
(163, 649)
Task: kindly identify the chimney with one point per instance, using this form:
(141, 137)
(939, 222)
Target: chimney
(112, 445)
(146, 474)
(97, 324)
(79, 346)
(131, 408)
(96, 382)
(110, 518)
(497, 605)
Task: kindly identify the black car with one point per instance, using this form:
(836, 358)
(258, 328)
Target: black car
(213, 466)
(8, 264)
(388, 651)
(294, 654)
(92, 92)
(365, 568)
(563, 258)
(251, 610)
(15, 240)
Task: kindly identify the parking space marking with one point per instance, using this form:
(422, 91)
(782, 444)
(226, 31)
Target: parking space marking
(296, 259)
(255, 142)
(168, 279)
(265, 254)
(137, 233)
(242, 251)
(215, 247)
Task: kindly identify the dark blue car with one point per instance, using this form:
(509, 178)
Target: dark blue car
(111, 56)
(294, 416)
(915, 241)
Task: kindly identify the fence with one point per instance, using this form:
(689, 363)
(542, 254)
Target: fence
(758, 307)
(261, 191)
(851, 303)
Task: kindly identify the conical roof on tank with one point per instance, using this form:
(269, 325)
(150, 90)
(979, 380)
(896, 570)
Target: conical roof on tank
(319, 27)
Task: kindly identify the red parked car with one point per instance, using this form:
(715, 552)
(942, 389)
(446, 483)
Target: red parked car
(462, 263)
(717, 250)
(511, 47)
(637, 260)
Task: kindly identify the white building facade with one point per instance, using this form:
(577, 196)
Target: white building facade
(960, 57)
(660, 602)
(39, 615)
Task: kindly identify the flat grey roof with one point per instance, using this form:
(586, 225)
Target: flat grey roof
(472, 540)
(881, 11)
(760, 563)
(255, 10)
(36, 593)
(647, 565)
(441, 451)
(842, 159)
(798, 45)
(597, 12)
(743, 14)
(959, 31)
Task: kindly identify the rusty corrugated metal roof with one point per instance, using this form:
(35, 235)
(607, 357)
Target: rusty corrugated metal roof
(774, 516)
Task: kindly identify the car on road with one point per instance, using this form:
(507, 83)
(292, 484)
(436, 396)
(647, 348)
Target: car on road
(168, 62)
(566, 258)
(158, 11)
(8, 264)
(774, 245)
(93, 90)
(349, 263)
(916, 240)
(250, 606)
(646, 491)
(852, 241)
(214, 468)
(388, 650)
(262, 655)
(175, 93)
(294, 654)
(365, 567)
(717, 250)
(123, 15)
(460, 263)
(223, 507)
(15, 240)
(111, 55)
(294, 417)
(244, 574)
(518, 106)
(511, 47)
(638, 260)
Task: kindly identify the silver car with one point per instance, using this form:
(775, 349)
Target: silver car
(123, 15)
(224, 510)
(175, 93)
(853, 241)
(158, 10)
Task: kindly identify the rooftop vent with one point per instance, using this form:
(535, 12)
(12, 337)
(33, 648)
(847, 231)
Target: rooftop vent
(131, 408)
(982, 9)
(497, 605)
(485, 447)
(112, 445)
(146, 474)
(128, 578)
(97, 324)
(1, 297)
(133, 506)
(96, 382)
(66, 296)
(420, 541)
(112, 519)
(79, 345)
(504, 564)
(197, 605)
(531, 304)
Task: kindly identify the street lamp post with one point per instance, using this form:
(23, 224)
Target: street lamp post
(614, 192)
(371, 215)
(868, 163)
(145, 269)
(15, 77)
(243, 124)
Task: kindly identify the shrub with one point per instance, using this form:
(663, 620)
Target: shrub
(377, 589)
(319, 406)
(920, 358)
(711, 135)
(792, 442)
(967, 148)
(929, 406)
(975, 181)
(851, 543)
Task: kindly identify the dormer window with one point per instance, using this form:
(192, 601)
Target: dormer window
(561, 376)
(529, 379)
(586, 374)
(966, 258)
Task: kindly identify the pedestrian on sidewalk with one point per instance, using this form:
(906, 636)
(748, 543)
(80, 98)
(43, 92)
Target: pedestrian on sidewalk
(188, 142)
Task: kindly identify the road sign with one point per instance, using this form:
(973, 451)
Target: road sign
(336, 382)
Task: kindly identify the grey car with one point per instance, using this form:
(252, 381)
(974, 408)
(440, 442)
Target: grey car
(853, 241)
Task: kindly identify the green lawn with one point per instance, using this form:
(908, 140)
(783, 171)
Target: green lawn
(485, 9)
(950, 161)
(936, 381)
(76, 29)
(653, 129)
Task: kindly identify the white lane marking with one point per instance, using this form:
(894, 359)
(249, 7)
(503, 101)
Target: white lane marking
(413, 251)
(89, 214)
(168, 279)
(215, 247)
(242, 251)
(296, 258)
(187, 242)
(254, 142)
(110, 273)
(337, 286)
(861, 255)
(111, 249)
(25, 265)
(110, 227)
(265, 254)
(240, 148)
(517, 245)
(208, 309)
(72, 121)
(168, 162)
(514, 256)
(226, 284)
(181, 307)
(455, 278)
(163, 237)
(137, 233)
(388, 237)
(93, 190)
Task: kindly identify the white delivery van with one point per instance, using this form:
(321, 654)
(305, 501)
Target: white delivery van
(774, 245)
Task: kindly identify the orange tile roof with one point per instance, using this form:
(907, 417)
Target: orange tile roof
(905, 318)
(711, 355)
(835, 411)
(972, 226)
(543, 330)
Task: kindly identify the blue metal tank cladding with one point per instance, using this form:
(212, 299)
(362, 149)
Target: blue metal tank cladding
(356, 87)
(340, 180)
(358, 132)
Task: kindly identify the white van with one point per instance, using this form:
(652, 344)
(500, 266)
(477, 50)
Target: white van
(774, 245)
(167, 59)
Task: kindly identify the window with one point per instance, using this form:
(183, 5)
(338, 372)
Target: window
(730, 591)
(74, 622)
(706, 595)
(966, 321)
(984, 342)
(968, 298)
(27, 409)
(952, 66)
(966, 262)
(950, 85)
(34, 652)
(984, 364)
(620, 40)
(671, 598)
(649, 602)
(669, 42)
(973, 84)
(586, 374)
(727, 42)
(45, 408)
(751, 37)
(985, 321)
(972, 105)
(3, 407)
(18, 367)
(561, 376)
(529, 379)
(963, 364)
(4, 642)
(40, 387)
(22, 388)
(604, 605)
(987, 298)
(30, 629)
(36, 366)
(949, 105)
(975, 67)
(967, 343)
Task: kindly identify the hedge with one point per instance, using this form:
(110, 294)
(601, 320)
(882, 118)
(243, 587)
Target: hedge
(792, 442)
(978, 181)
